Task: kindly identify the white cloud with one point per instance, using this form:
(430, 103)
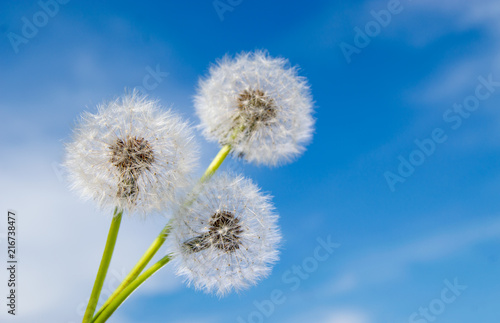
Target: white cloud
(198, 320)
(476, 52)
(335, 315)
(390, 262)
(448, 82)
(60, 240)
(345, 316)
(344, 283)
(459, 16)
(466, 13)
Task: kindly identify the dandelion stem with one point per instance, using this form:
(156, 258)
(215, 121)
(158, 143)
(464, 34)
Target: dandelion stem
(103, 267)
(160, 239)
(117, 301)
(215, 164)
(138, 268)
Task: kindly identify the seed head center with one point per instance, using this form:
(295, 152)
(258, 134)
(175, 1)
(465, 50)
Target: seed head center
(132, 155)
(255, 106)
(225, 230)
(223, 233)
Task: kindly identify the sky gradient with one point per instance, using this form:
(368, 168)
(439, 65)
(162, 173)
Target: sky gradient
(402, 177)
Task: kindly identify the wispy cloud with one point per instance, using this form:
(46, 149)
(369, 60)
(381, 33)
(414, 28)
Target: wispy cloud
(460, 16)
(60, 240)
(466, 13)
(199, 320)
(388, 263)
(333, 315)
(346, 316)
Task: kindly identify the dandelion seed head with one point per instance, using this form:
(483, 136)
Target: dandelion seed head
(227, 239)
(223, 233)
(259, 105)
(131, 154)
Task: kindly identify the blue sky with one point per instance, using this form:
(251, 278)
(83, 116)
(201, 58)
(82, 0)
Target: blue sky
(400, 245)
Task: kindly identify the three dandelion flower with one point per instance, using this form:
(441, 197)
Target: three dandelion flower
(135, 156)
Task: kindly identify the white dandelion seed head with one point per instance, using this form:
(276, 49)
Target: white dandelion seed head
(259, 105)
(131, 155)
(227, 239)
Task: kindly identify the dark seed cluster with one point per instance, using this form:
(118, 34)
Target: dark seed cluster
(132, 154)
(223, 233)
(131, 157)
(255, 106)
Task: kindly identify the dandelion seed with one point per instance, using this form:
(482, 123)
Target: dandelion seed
(258, 105)
(227, 238)
(131, 154)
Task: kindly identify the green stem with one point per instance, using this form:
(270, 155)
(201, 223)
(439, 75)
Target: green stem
(103, 267)
(160, 239)
(215, 164)
(139, 266)
(117, 301)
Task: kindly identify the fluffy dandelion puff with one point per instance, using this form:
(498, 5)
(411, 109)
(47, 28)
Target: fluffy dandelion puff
(131, 155)
(259, 105)
(227, 238)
